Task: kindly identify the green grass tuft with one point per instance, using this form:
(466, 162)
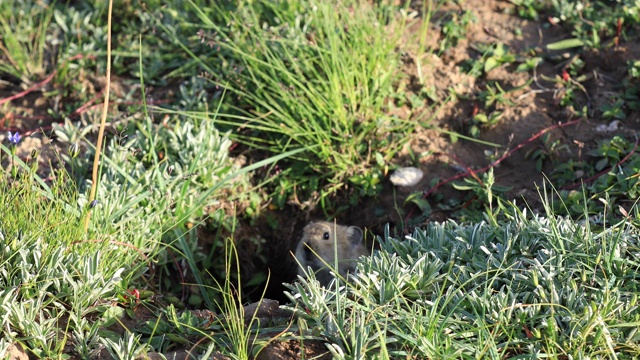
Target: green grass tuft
(315, 76)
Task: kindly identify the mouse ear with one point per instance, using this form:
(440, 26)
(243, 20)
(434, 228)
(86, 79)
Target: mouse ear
(354, 234)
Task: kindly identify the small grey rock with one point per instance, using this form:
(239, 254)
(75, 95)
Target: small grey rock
(406, 176)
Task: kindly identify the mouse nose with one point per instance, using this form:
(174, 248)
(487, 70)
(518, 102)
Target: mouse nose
(307, 251)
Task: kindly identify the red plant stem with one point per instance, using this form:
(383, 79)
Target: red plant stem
(528, 141)
(474, 173)
(619, 28)
(139, 102)
(43, 82)
(33, 88)
(82, 108)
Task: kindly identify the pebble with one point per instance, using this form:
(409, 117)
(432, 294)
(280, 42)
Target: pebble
(613, 126)
(406, 176)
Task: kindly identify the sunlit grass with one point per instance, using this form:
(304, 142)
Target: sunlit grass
(317, 76)
(532, 286)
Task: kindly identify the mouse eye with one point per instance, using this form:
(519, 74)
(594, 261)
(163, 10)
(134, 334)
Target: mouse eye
(326, 236)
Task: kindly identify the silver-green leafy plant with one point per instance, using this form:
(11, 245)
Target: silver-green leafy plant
(532, 285)
(161, 171)
(51, 277)
(127, 348)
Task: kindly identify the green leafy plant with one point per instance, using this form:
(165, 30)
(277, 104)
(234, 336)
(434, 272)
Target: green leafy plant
(611, 151)
(53, 276)
(493, 56)
(634, 69)
(234, 331)
(529, 9)
(162, 178)
(594, 24)
(454, 28)
(568, 171)
(484, 190)
(167, 162)
(611, 173)
(481, 120)
(497, 56)
(529, 63)
(126, 348)
(614, 110)
(549, 150)
(495, 95)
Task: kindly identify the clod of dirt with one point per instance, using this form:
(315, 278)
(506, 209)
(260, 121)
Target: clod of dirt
(16, 352)
(180, 355)
(265, 311)
(294, 349)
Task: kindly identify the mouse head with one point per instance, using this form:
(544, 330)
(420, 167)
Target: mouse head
(319, 240)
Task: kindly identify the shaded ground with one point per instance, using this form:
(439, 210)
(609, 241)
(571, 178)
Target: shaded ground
(533, 108)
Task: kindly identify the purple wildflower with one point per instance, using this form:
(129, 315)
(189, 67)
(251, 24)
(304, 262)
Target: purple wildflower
(13, 138)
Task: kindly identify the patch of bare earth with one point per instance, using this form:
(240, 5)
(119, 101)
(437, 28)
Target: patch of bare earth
(295, 349)
(534, 108)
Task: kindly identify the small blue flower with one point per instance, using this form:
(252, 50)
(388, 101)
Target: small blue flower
(93, 203)
(13, 138)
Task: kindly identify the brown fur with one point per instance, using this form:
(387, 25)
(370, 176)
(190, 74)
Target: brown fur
(317, 247)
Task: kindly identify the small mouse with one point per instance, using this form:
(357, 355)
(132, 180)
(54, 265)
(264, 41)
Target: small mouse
(319, 240)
